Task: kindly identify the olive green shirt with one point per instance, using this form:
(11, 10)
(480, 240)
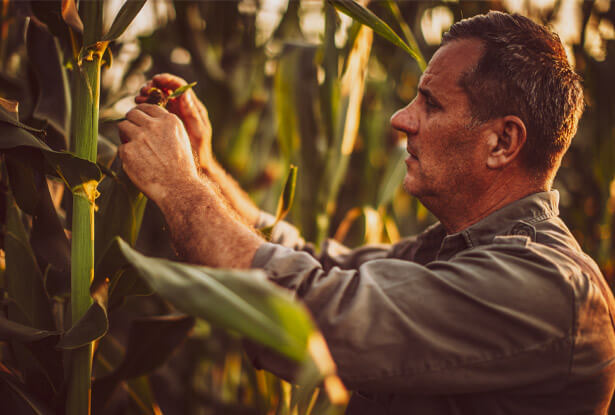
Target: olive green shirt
(508, 316)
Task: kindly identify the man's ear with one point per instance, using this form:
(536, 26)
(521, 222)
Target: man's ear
(505, 141)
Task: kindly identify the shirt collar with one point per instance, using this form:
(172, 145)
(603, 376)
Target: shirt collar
(517, 218)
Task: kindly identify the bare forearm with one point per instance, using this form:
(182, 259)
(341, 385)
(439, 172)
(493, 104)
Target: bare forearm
(205, 231)
(237, 198)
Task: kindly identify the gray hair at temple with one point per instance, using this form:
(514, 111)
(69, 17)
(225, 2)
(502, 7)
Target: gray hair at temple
(524, 72)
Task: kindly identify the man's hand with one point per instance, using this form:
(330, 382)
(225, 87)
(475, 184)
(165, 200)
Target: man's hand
(190, 110)
(156, 153)
(196, 121)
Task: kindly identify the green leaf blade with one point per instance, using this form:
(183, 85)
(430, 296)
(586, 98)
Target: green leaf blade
(369, 19)
(179, 91)
(241, 301)
(124, 17)
(90, 327)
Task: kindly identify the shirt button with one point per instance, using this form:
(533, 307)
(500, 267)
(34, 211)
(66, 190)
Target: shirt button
(523, 229)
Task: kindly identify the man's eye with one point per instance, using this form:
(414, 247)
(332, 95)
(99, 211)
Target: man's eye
(430, 103)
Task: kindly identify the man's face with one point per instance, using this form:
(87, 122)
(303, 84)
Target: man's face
(446, 152)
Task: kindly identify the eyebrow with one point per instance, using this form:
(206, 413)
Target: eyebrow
(427, 93)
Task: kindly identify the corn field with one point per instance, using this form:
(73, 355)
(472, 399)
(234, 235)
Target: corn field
(94, 318)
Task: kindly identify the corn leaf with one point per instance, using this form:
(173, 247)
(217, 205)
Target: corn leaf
(120, 211)
(109, 356)
(52, 87)
(21, 401)
(12, 107)
(241, 301)
(71, 169)
(288, 195)
(151, 341)
(90, 327)
(181, 90)
(10, 330)
(284, 94)
(24, 181)
(124, 17)
(7, 116)
(47, 237)
(24, 281)
(366, 17)
(393, 177)
(29, 305)
(410, 39)
(71, 15)
(124, 280)
(285, 202)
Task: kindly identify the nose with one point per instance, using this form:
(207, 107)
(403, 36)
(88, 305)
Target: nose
(405, 119)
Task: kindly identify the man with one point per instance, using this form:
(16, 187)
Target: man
(495, 309)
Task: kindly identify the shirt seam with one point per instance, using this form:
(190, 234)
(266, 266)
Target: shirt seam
(573, 336)
(540, 218)
(475, 363)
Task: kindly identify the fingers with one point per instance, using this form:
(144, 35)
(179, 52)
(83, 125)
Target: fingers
(128, 131)
(151, 110)
(145, 88)
(137, 116)
(166, 80)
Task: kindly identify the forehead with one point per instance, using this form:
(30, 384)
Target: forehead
(448, 63)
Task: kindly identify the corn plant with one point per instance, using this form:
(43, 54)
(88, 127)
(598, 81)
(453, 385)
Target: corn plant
(68, 265)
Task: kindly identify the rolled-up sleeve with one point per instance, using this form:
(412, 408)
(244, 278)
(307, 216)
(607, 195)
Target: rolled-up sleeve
(471, 324)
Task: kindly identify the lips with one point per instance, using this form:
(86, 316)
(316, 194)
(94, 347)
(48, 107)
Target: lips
(412, 153)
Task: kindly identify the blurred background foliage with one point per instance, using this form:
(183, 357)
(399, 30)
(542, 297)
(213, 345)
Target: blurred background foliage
(265, 71)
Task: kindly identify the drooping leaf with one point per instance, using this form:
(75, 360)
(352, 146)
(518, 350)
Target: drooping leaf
(90, 327)
(67, 166)
(124, 17)
(10, 117)
(366, 17)
(10, 330)
(49, 12)
(71, 15)
(410, 39)
(151, 341)
(242, 301)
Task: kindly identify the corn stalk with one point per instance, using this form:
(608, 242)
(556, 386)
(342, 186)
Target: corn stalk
(84, 127)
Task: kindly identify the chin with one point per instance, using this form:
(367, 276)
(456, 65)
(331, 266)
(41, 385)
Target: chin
(410, 185)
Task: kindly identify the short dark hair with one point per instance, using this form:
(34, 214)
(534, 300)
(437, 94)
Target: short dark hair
(524, 72)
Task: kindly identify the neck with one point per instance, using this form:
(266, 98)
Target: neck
(464, 209)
